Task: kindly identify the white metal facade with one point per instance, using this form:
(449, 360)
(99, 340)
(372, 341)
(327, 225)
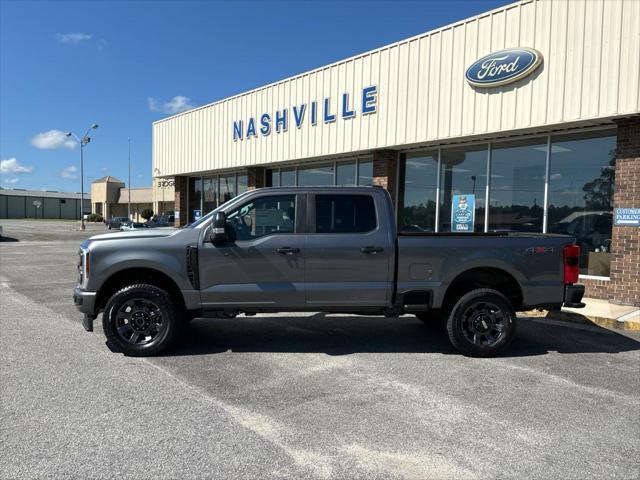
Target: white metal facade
(590, 71)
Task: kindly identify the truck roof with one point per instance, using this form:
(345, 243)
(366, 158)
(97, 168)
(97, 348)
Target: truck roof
(332, 189)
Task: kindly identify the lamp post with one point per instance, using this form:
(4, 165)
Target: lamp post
(158, 172)
(129, 202)
(82, 141)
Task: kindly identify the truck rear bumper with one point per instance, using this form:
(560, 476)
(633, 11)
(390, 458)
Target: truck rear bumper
(85, 301)
(573, 296)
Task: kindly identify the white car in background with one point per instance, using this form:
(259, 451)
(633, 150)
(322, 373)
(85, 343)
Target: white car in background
(131, 226)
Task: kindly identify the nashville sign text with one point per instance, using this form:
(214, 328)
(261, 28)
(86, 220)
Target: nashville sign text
(313, 113)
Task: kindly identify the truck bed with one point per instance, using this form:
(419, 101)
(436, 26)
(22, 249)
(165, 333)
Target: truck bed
(430, 262)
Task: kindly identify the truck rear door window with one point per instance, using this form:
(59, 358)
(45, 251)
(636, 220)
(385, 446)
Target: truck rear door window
(345, 214)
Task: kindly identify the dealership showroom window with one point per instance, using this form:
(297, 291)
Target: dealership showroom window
(579, 199)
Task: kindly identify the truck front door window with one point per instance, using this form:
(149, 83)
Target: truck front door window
(263, 216)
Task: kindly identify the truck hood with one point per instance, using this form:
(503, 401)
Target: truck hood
(142, 233)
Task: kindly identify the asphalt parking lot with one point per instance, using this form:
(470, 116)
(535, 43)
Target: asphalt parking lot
(299, 396)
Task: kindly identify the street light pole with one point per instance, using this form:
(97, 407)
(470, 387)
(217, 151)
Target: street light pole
(158, 172)
(82, 141)
(82, 186)
(129, 203)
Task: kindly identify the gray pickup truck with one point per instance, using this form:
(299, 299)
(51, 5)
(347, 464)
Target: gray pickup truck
(327, 249)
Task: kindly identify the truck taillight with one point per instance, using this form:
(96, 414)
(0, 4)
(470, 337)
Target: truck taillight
(571, 261)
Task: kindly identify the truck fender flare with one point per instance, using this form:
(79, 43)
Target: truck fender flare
(169, 267)
(439, 294)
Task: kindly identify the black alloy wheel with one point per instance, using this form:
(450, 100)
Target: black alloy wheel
(481, 323)
(140, 320)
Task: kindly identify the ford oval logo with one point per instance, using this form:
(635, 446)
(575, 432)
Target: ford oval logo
(503, 67)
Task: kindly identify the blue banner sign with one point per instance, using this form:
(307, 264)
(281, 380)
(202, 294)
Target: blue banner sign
(463, 213)
(627, 217)
(325, 111)
(503, 67)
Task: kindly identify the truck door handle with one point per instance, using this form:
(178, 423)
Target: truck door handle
(287, 250)
(372, 250)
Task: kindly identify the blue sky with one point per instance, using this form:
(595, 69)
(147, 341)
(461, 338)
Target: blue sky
(66, 65)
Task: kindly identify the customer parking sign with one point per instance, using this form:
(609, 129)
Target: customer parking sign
(463, 213)
(627, 217)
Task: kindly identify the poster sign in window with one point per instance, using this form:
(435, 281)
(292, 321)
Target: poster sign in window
(463, 213)
(627, 217)
(196, 215)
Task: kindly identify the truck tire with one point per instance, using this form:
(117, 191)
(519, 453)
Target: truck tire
(481, 323)
(140, 320)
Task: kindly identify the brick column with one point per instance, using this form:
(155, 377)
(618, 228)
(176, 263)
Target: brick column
(181, 199)
(255, 178)
(624, 286)
(385, 168)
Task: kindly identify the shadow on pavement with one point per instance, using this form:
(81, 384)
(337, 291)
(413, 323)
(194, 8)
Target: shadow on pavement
(343, 335)
(8, 239)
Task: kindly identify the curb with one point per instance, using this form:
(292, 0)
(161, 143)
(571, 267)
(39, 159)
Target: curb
(619, 324)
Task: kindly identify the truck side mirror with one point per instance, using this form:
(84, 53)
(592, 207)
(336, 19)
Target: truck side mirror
(219, 228)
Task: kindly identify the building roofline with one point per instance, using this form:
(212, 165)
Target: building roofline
(17, 192)
(108, 179)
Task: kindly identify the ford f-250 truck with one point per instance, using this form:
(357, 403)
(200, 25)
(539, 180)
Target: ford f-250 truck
(319, 249)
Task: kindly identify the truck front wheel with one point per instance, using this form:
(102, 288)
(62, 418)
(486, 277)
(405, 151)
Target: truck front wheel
(481, 323)
(140, 320)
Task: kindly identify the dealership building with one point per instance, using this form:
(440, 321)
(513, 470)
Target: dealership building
(110, 198)
(530, 113)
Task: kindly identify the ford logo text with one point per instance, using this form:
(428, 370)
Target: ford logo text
(503, 67)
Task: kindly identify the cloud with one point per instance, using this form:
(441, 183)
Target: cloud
(11, 181)
(11, 165)
(177, 104)
(73, 38)
(153, 104)
(53, 139)
(69, 172)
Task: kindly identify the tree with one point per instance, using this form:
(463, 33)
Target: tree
(599, 192)
(147, 213)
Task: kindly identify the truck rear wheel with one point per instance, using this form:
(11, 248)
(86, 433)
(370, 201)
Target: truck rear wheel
(481, 323)
(140, 320)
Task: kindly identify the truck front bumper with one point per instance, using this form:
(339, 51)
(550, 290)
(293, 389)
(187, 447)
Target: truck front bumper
(85, 301)
(573, 296)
